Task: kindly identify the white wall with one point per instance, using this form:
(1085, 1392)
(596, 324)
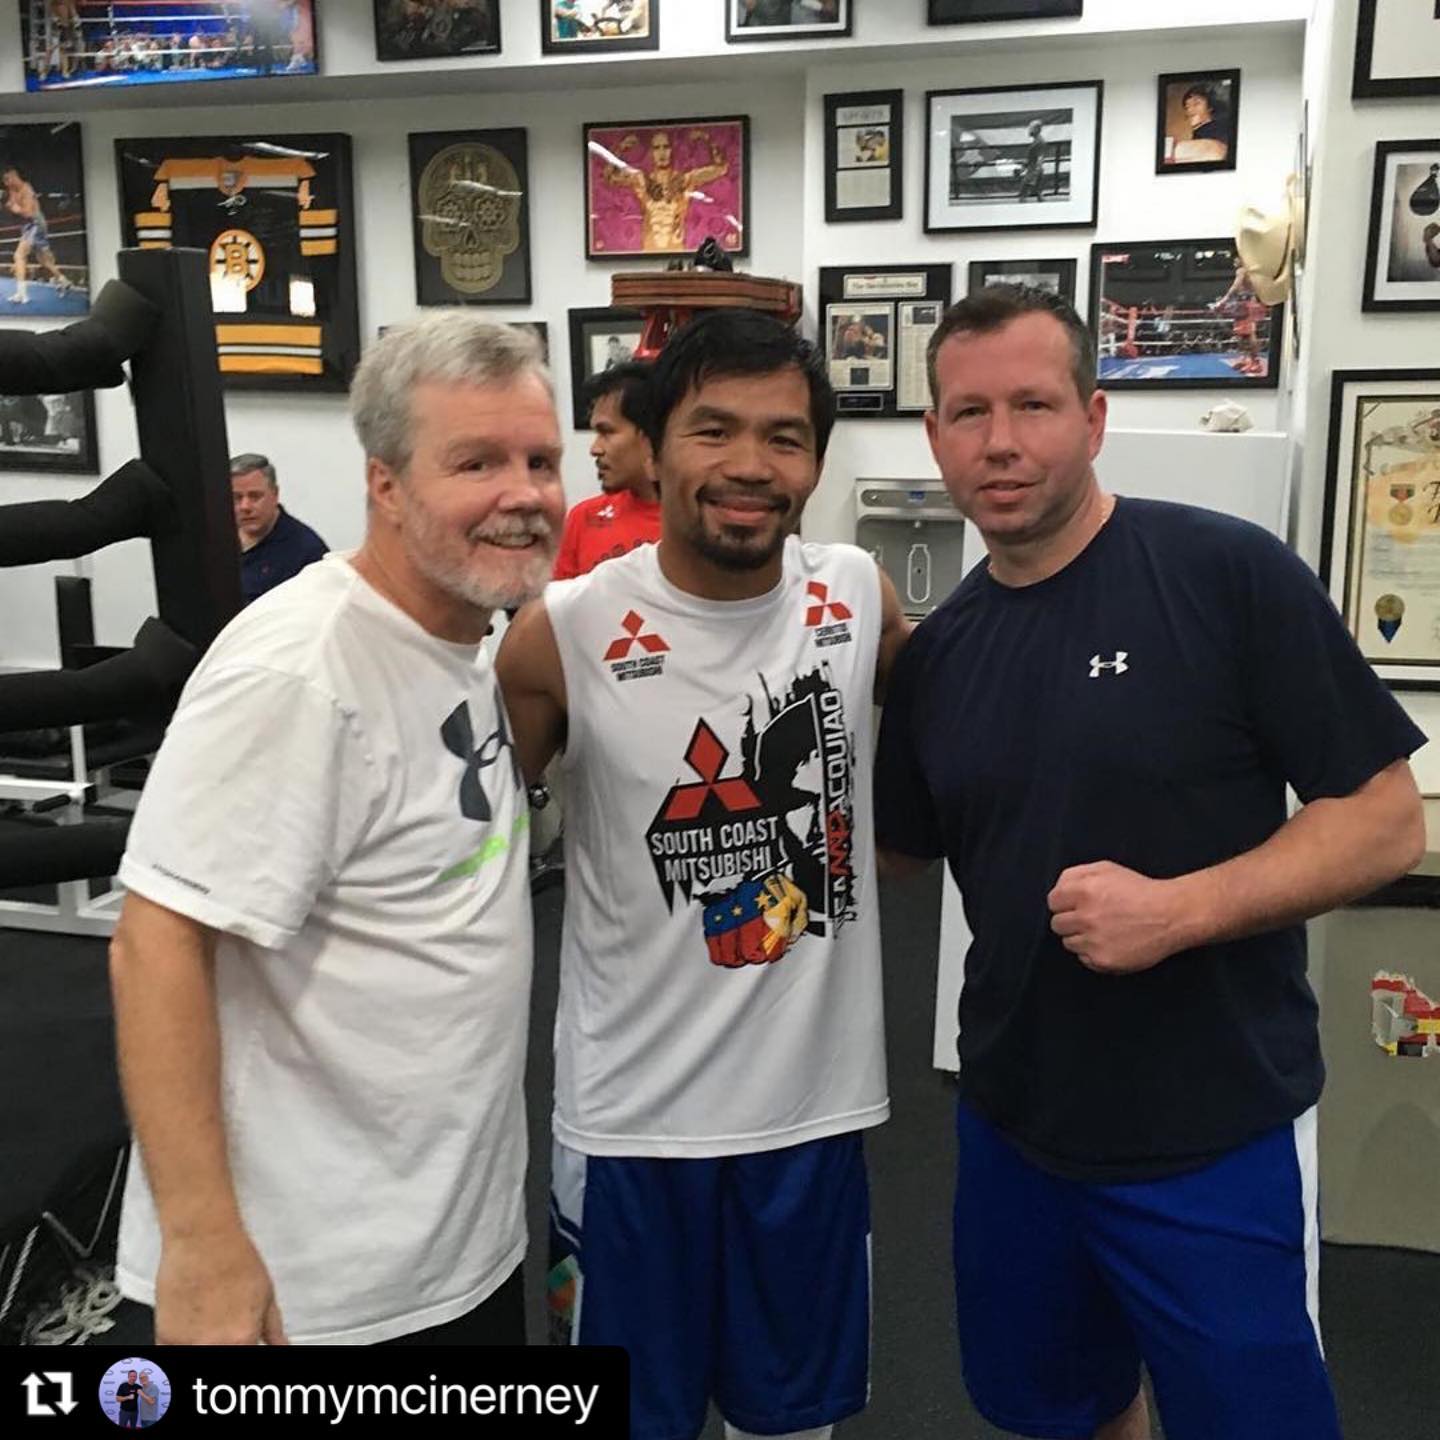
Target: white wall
(778, 86)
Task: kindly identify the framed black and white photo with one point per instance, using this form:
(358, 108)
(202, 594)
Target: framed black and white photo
(601, 337)
(864, 155)
(1397, 49)
(1181, 315)
(470, 205)
(1056, 276)
(49, 434)
(1198, 121)
(598, 27)
(970, 12)
(786, 19)
(1001, 158)
(436, 29)
(44, 254)
(1380, 536)
(875, 324)
(1402, 264)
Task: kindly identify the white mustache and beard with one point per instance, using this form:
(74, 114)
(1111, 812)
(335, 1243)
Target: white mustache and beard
(479, 569)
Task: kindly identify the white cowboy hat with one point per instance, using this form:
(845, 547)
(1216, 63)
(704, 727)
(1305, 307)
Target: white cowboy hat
(1269, 246)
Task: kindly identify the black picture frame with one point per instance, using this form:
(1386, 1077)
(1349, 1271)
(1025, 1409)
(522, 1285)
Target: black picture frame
(1364, 84)
(976, 12)
(999, 163)
(1398, 231)
(622, 138)
(266, 343)
(552, 43)
(1024, 272)
(1336, 540)
(49, 163)
(27, 420)
(1224, 101)
(887, 314)
(1199, 272)
(839, 29)
(590, 324)
(393, 43)
(847, 141)
(472, 245)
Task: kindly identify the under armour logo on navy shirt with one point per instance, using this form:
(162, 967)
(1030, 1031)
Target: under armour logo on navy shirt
(1117, 666)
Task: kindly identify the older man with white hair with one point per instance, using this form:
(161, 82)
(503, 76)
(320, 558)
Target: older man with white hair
(322, 971)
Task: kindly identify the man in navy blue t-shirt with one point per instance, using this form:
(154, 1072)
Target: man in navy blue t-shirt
(1096, 730)
(274, 545)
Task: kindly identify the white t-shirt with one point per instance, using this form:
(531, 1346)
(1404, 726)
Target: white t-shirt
(720, 960)
(337, 794)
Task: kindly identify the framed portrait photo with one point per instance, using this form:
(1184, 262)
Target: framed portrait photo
(1380, 537)
(49, 434)
(601, 337)
(436, 29)
(1198, 121)
(593, 27)
(969, 12)
(786, 19)
(1397, 49)
(275, 215)
(1402, 263)
(44, 252)
(1181, 315)
(470, 204)
(864, 156)
(1056, 276)
(663, 187)
(999, 158)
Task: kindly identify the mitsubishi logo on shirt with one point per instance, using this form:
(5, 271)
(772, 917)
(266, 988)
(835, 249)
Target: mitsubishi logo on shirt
(1117, 666)
(618, 653)
(820, 606)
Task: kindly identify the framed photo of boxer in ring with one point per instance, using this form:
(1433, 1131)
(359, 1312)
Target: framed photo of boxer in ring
(656, 187)
(601, 337)
(1198, 121)
(1380, 535)
(470, 204)
(1402, 263)
(1002, 158)
(970, 12)
(44, 255)
(49, 434)
(598, 26)
(436, 29)
(1181, 315)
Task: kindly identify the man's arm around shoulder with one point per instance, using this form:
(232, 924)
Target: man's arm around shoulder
(532, 680)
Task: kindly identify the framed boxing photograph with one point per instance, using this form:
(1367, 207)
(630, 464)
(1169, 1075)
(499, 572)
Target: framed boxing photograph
(1056, 276)
(470, 206)
(1000, 158)
(864, 156)
(49, 434)
(436, 29)
(970, 12)
(598, 27)
(1197, 123)
(663, 187)
(875, 325)
(44, 252)
(1380, 533)
(1397, 49)
(601, 337)
(1181, 315)
(275, 215)
(787, 20)
(1402, 262)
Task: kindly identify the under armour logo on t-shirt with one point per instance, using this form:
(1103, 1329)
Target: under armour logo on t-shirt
(459, 737)
(1117, 666)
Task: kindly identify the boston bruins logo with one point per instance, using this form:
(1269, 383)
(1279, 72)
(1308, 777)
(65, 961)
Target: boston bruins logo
(237, 256)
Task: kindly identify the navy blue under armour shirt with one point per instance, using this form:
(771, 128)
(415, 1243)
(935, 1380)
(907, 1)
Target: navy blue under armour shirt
(290, 546)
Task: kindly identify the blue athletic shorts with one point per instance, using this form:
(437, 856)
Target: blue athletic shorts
(37, 232)
(1063, 1288)
(745, 1279)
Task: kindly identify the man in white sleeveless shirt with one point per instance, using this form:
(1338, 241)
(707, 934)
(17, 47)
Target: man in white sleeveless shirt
(322, 972)
(719, 1043)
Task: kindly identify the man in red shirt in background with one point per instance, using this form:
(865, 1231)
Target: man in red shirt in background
(626, 513)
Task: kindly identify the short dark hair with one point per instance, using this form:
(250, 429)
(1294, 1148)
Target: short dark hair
(993, 308)
(737, 342)
(1205, 92)
(631, 380)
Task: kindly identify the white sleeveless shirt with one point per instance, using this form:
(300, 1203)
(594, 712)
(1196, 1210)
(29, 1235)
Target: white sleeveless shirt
(720, 961)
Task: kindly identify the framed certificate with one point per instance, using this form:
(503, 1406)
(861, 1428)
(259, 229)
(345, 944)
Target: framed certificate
(864, 156)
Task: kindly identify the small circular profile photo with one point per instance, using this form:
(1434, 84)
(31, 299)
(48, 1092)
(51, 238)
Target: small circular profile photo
(134, 1393)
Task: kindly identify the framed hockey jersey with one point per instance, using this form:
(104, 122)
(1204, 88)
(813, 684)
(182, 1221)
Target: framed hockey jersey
(274, 214)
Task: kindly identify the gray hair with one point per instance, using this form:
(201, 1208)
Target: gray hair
(451, 346)
(244, 464)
